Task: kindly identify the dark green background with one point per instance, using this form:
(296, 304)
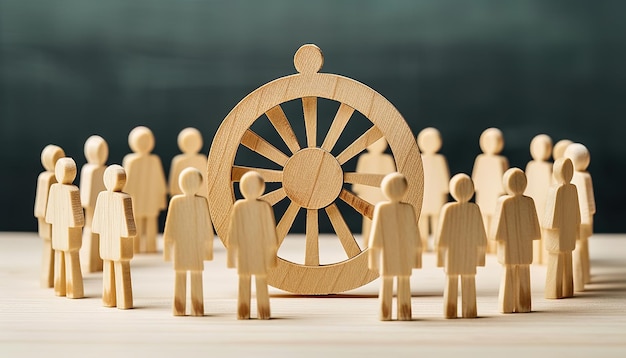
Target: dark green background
(72, 68)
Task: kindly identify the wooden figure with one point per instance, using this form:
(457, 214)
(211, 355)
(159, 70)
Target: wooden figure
(579, 155)
(395, 246)
(91, 184)
(436, 182)
(146, 185)
(49, 157)
(252, 244)
(190, 143)
(489, 168)
(558, 151)
(562, 228)
(65, 215)
(375, 161)
(515, 226)
(461, 243)
(189, 233)
(114, 223)
(539, 176)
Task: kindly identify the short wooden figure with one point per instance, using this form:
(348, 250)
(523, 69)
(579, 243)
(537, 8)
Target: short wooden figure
(579, 155)
(559, 149)
(461, 243)
(114, 222)
(374, 161)
(489, 168)
(395, 246)
(252, 244)
(91, 184)
(49, 157)
(65, 215)
(562, 228)
(436, 182)
(146, 185)
(190, 143)
(515, 226)
(539, 176)
(189, 233)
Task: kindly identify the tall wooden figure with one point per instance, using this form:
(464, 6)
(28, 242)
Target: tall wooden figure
(562, 225)
(189, 232)
(252, 244)
(579, 155)
(49, 157)
(66, 216)
(146, 185)
(539, 176)
(190, 143)
(395, 246)
(436, 182)
(375, 161)
(91, 184)
(515, 226)
(461, 243)
(114, 222)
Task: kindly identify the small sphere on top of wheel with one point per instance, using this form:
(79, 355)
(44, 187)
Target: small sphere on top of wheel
(308, 59)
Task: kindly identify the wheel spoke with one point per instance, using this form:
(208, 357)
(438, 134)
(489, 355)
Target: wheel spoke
(279, 120)
(365, 208)
(269, 175)
(343, 231)
(363, 178)
(286, 221)
(336, 128)
(309, 105)
(373, 134)
(274, 197)
(312, 250)
(257, 144)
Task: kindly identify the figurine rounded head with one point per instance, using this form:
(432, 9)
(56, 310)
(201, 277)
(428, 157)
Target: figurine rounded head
(96, 150)
(563, 171)
(190, 181)
(514, 181)
(114, 178)
(429, 140)
(541, 147)
(491, 141)
(65, 170)
(579, 155)
(559, 148)
(190, 141)
(50, 155)
(308, 59)
(378, 146)
(252, 185)
(141, 140)
(394, 186)
(461, 188)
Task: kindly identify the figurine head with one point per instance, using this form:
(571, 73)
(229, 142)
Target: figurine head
(579, 155)
(491, 141)
(96, 150)
(461, 188)
(190, 141)
(65, 170)
(190, 181)
(563, 171)
(141, 140)
(252, 185)
(429, 140)
(559, 148)
(50, 155)
(394, 186)
(514, 181)
(114, 178)
(541, 147)
(378, 146)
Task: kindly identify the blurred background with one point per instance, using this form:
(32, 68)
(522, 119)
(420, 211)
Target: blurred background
(73, 68)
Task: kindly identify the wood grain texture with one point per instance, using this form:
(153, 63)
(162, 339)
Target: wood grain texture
(190, 143)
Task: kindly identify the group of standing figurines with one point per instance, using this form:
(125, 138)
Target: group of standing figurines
(115, 214)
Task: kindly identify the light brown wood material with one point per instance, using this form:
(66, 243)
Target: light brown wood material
(257, 144)
(337, 126)
(190, 143)
(309, 105)
(279, 120)
(343, 231)
(558, 151)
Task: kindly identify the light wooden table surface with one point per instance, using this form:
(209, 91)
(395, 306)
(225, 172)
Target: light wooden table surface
(33, 322)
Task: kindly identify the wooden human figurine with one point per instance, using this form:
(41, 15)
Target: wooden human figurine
(252, 244)
(559, 149)
(190, 143)
(436, 182)
(515, 226)
(65, 215)
(539, 176)
(91, 184)
(579, 155)
(562, 225)
(114, 223)
(489, 167)
(395, 246)
(461, 243)
(189, 233)
(49, 157)
(146, 185)
(375, 161)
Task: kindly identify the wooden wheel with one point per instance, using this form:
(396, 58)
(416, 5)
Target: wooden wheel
(312, 178)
